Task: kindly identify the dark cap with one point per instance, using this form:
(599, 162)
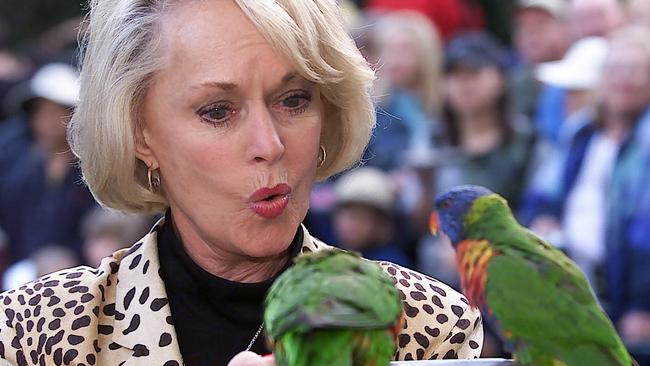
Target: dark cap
(475, 50)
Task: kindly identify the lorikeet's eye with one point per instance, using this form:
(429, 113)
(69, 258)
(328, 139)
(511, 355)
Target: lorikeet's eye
(447, 203)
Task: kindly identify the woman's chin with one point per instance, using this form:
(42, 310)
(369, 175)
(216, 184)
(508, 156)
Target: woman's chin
(268, 240)
(265, 249)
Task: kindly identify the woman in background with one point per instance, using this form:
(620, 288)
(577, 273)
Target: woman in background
(484, 143)
(409, 69)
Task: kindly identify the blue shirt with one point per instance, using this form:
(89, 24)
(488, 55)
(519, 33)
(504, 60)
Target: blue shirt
(35, 212)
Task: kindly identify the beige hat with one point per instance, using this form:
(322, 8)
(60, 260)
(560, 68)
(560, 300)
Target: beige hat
(366, 185)
(557, 8)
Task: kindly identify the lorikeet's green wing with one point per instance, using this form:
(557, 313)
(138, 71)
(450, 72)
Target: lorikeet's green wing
(331, 289)
(543, 301)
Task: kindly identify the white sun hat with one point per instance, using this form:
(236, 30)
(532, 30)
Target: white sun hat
(581, 67)
(57, 82)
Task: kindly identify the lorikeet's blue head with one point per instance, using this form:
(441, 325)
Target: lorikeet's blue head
(452, 206)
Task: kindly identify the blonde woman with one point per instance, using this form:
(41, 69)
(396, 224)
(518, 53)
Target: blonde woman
(408, 89)
(221, 114)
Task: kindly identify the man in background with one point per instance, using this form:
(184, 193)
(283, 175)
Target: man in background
(541, 34)
(42, 197)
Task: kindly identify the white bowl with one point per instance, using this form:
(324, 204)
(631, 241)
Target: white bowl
(476, 362)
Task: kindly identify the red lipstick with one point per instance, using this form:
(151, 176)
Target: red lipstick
(270, 202)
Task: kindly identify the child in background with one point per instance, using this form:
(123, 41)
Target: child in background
(364, 215)
(47, 259)
(106, 232)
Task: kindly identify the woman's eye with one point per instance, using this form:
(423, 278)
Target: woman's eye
(296, 102)
(292, 102)
(217, 113)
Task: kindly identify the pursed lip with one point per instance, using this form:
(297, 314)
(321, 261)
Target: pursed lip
(264, 194)
(270, 203)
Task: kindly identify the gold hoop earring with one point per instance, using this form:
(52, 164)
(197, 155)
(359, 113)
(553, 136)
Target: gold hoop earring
(322, 156)
(153, 176)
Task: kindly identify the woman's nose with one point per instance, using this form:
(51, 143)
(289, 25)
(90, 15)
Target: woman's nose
(266, 142)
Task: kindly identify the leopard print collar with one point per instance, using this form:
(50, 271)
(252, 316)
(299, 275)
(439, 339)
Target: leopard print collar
(146, 321)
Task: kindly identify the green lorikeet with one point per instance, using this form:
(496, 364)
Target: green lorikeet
(541, 300)
(333, 308)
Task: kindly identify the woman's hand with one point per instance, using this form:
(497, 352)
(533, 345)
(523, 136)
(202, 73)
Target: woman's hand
(248, 358)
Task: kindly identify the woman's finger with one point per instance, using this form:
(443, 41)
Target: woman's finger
(267, 360)
(246, 358)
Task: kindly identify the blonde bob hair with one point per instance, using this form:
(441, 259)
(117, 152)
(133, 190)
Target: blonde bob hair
(121, 53)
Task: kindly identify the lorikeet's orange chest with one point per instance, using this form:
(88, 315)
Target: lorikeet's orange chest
(472, 260)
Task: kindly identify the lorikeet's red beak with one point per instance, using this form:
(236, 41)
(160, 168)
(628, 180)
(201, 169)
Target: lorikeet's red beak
(433, 223)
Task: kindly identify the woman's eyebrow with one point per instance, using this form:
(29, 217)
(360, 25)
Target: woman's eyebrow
(223, 85)
(227, 85)
(288, 77)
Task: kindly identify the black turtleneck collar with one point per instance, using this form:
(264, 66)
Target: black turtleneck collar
(214, 318)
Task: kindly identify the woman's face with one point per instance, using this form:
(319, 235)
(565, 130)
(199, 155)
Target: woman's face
(472, 91)
(224, 118)
(399, 59)
(626, 80)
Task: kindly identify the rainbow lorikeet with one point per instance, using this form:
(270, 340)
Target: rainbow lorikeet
(541, 300)
(333, 308)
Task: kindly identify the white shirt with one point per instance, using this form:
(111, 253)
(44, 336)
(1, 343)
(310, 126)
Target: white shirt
(585, 213)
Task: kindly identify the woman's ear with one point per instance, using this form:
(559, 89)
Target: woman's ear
(142, 148)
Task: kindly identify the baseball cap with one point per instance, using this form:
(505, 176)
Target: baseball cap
(57, 82)
(475, 50)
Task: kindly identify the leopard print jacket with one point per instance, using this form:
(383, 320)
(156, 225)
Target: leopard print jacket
(118, 314)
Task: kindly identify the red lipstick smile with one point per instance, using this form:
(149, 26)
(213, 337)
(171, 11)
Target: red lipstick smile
(270, 202)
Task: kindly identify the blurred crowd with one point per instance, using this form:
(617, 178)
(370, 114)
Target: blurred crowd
(546, 102)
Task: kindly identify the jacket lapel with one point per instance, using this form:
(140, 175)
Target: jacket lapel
(311, 244)
(147, 326)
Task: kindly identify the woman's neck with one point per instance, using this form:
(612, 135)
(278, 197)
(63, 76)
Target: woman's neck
(225, 264)
(479, 133)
